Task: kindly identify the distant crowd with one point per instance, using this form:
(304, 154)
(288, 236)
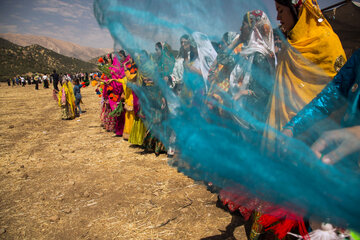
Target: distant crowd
(47, 79)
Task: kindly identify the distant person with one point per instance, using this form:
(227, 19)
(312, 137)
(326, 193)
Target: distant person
(22, 81)
(13, 81)
(45, 81)
(55, 78)
(37, 79)
(9, 82)
(77, 94)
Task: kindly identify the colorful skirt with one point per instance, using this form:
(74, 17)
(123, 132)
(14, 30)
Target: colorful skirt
(129, 123)
(138, 132)
(66, 112)
(108, 121)
(151, 143)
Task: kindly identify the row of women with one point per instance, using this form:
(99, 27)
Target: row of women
(268, 129)
(120, 108)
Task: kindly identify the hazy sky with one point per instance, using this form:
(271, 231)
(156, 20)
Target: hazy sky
(74, 20)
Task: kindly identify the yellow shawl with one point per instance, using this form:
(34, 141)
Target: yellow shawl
(129, 99)
(305, 67)
(70, 97)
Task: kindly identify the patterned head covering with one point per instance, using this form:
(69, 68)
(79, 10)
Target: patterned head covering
(224, 57)
(294, 6)
(261, 40)
(261, 34)
(229, 37)
(166, 60)
(253, 17)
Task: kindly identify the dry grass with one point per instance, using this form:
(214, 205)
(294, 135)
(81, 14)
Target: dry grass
(72, 180)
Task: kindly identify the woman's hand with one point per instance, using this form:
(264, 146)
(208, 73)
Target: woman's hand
(340, 142)
(243, 93)
(287, 132)
(163, 103)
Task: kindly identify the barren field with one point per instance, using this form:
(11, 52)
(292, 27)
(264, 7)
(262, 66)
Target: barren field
(73, 180)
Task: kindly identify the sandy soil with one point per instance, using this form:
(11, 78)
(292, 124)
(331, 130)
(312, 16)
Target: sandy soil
(72, 180)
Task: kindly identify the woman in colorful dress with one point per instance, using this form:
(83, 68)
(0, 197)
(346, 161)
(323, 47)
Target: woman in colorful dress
(146, 72)
(153, 115)
(108, 120)
(130, 70)
(250, 83)
(67, 100)
(219, 74)
(252, 79)
(116, 96)
(154, 119)
(310, 58)
(307, 62)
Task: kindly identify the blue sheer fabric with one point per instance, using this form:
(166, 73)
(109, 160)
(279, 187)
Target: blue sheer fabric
(220, 146)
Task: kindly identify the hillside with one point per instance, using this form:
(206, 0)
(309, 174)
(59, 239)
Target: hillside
(17, 60)
(62, 47)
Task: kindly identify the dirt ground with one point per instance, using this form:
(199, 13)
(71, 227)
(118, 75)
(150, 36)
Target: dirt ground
(73, 180)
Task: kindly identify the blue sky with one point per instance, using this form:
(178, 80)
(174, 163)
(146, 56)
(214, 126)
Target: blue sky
(74, 20)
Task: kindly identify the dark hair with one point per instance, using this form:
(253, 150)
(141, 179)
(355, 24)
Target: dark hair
(76, 81)
(122, 52)
(159, 45)
(293, 9)
(110, 58)
(54, 71)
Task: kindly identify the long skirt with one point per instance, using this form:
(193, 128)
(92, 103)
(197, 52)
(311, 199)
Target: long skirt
(151, 143)
(129, 122)
(108, 121)
(119, 120)
(138, 132)
(66, 112)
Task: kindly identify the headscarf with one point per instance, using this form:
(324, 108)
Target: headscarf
(225, 62)
(193, 50)
(206, 54)
(202, 59)
(224, 57)
(166, 61)
(147, 71)
(306, 66)
(116, 69)
(261, 41)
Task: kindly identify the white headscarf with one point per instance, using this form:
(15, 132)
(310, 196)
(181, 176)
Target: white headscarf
(206, 57)
(261, 40)
(206, 53)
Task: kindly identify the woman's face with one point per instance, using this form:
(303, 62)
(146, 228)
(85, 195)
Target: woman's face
(245, 32)
(185, 44)
(158, 51)
(122, 57)
(285, 17)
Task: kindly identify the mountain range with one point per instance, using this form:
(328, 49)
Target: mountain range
(62, 47)
(18, 60)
